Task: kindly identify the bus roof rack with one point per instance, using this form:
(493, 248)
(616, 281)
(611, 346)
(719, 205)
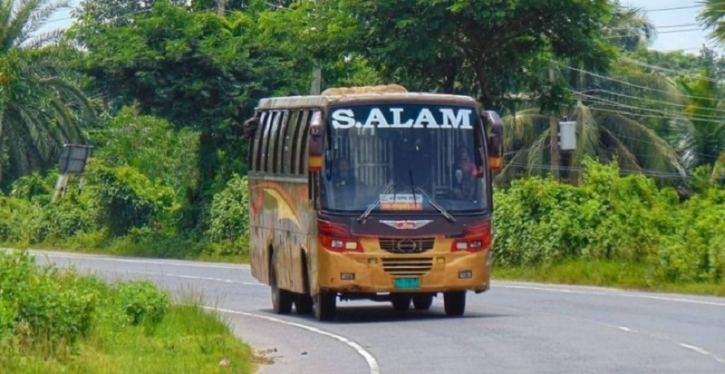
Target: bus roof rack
(380, 89)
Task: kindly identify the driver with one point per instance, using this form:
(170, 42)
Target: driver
(464, 175)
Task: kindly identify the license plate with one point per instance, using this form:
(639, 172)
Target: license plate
(407, 283)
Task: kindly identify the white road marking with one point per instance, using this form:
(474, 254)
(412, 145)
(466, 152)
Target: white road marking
(195, 277)
(696, 349)
(369, 358)
(139, 261)
(614, 293)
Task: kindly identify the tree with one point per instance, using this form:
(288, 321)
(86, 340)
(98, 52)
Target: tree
(702, 137)
(196, 69)
(712, 16)
(629, 29)
(486, 48)
(40, 107)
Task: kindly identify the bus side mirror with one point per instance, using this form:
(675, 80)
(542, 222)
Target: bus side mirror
(494, 130)
(316, 142)
(250, 126)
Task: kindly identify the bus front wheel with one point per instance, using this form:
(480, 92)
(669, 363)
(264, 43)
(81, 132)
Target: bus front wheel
(454, 303)
(325, 306)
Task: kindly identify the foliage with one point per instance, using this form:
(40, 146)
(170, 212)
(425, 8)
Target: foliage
(40, 106)
(603, 135)
(45, 304)
(56, 320)
(229, 223)
(127, 199)
(611, 218)
(143, 302)
(195, 69)
(500, 46)
(150, 145)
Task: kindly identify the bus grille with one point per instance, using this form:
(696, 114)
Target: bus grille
(406, 245)
(407, 266)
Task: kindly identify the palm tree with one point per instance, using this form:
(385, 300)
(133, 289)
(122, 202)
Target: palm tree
(603, 134)
(701, 138)
(712, 16)
(40, 109)
(629, 29)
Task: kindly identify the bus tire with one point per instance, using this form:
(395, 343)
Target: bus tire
(454, 303)
(325, 306)
(401, 303)
(422, 302)
(281, 299)
(304, 304)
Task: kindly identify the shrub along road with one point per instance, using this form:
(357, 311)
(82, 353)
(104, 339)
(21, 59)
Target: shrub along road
(515, 328)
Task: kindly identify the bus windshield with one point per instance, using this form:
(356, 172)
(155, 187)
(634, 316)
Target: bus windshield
(403, 157)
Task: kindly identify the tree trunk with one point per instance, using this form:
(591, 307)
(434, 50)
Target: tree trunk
(201, 197)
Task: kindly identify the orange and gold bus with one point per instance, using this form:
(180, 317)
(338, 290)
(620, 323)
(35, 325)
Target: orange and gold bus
(371, 193)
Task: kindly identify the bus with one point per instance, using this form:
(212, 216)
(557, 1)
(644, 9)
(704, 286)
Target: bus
(371, 193)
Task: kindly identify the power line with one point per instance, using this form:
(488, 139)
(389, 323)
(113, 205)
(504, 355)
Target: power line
(701, 117)
(673, 8)
(629, 83)
(680, 72)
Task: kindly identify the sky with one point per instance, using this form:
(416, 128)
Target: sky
(684, 36)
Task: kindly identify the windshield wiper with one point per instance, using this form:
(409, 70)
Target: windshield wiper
(365, 215)
(412, 187)
(435, 205)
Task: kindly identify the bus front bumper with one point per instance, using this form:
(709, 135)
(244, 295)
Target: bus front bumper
(367, 273)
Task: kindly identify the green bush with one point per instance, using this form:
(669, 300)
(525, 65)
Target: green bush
(46, 304)
(229, 221)
(127, 199)
(539, 222)
(142, 302)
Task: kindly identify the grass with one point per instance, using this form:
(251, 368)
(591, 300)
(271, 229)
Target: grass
(189, 340)
(128, 327)
(606, 274)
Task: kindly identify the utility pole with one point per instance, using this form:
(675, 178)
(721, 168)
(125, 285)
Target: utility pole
(554, 134)
(316, 71)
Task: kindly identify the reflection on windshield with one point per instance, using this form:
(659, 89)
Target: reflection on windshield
(431, 168)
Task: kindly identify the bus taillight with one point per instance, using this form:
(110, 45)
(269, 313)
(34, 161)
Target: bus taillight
(337, 238)
(476, 238)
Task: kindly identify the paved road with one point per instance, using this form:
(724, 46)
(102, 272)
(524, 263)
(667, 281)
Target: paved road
(514, 328)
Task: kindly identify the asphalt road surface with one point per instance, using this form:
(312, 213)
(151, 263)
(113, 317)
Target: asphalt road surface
(513, 328)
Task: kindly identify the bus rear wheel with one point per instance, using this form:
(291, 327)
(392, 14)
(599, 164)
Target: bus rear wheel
(454, 303)
(325, 306)
(281, 299)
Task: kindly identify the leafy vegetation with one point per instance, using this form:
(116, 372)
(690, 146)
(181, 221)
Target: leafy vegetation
(62, 321)
(161, 90)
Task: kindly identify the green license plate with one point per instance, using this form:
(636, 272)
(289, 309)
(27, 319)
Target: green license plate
(407, 283)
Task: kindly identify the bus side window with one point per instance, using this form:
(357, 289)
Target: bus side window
(265, 142)
(257, 142)
(299, 139)
(279, 140)
(271, 148)
(289, 143)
